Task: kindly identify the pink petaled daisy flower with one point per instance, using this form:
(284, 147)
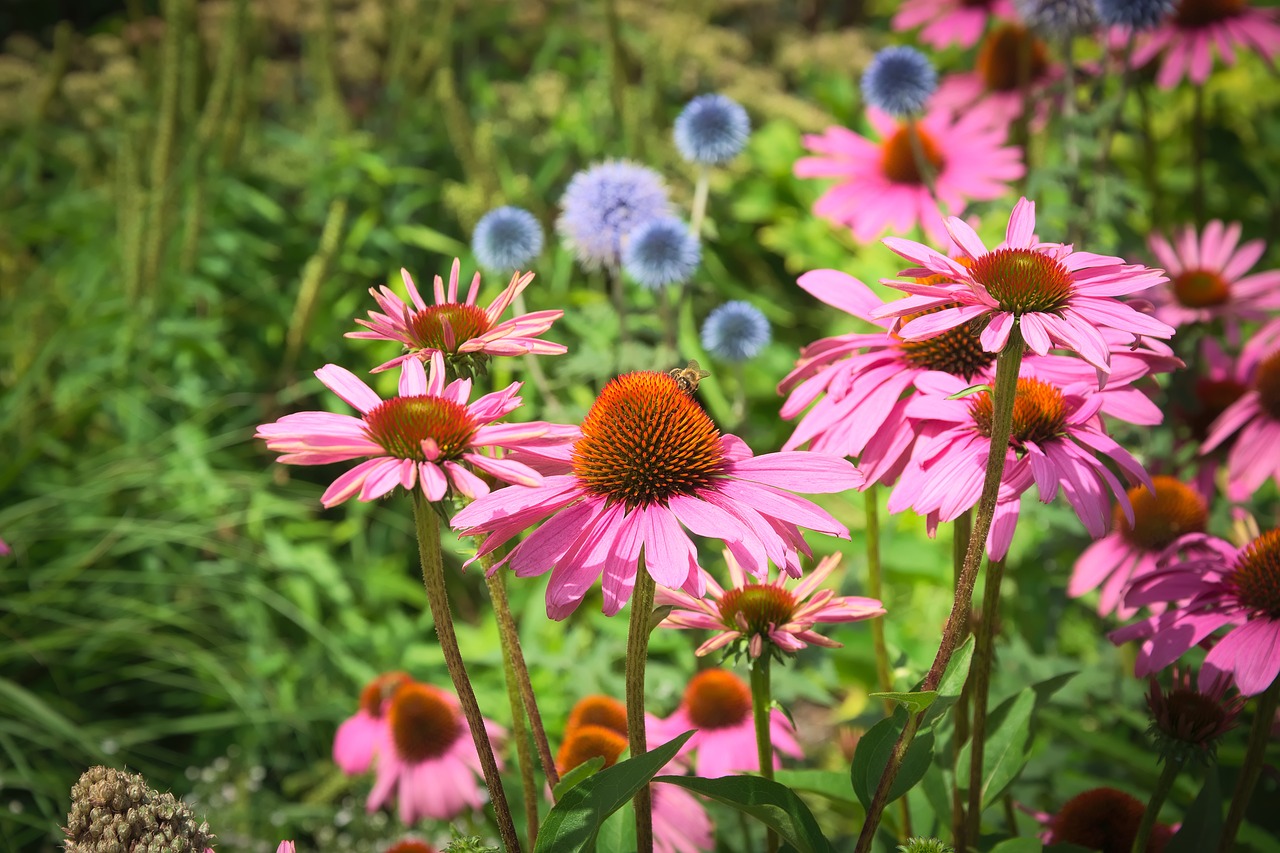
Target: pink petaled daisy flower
(718, 705)
(879, 185)
(995, 83)
(1188, 37)
(418, 439)
(462, 331)
(1161, 517)
(1253, 419)
(356, 741)
(766, 612)
(286, 847)
(947, 22)
(1058, 297)
(1208, 278)
(649, 460)
(427, 758)
(1215, 586)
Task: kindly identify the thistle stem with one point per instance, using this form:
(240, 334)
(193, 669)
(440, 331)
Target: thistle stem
(1006, 386)
(698, 213)
(761, 702)
(1172, 765)
(1264, 714)
(980, 678)
(637, 657)
(428, 526)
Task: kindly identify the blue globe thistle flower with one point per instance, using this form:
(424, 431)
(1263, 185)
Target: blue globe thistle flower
(712, 130)
(605, 203)
(506, 238)
(899, 81)
(1135, 14)
(1059, 18)
(661, 252)
(735, 331)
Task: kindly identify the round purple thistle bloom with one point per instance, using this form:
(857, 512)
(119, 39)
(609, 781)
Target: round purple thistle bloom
(506, 238)
(605, 203)
(899, 81)
(1059, 18)
(712, 130)
(1135, 14)
(661, 252)
(735, 331)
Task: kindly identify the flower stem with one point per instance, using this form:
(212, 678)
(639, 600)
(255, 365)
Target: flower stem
(961, 529)
(1164, 784)
(1264, 714)
(618, 292)
(1197, 155)
(637, 656)
(761, 702)
(428, 527)
(875, 589)
(980, 678)
(698, 212)
(524, 755)
(1006, 386)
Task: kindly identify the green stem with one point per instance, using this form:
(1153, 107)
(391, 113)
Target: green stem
(698, 213)
(637, 657)
(618, 291)
(520, 734)
(1164, 784)
(980, 676)
(761, 706)
(1197, 155)
(961, 529)
(875, 589)
(1264, 714)
(428, 526)
(1006, 386)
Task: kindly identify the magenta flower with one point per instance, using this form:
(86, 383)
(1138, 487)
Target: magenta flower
(1058, 297)
(5, 550)
(717, 704)
(680, 821)
(427, 759)
(1208, 278)
(457, 329)
(879, 185)
(995, 85)
(1253, 419)
(1214, 586)
(356, 742)
(418, 439)
(286, 847)
(649, 460)
(766, 612)
(1187, 39)
(947, 22)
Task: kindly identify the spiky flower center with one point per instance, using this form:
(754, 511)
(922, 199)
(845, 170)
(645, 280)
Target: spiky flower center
(759, 606)
(402, 424)
(426, 327)
(378, 691)
(1200, 288)
(1024, 280)
(1039, 412)
(1174, 510)
(900, 164)
(598, 711)
(587, 742)
(1194, 14)
(1187, 716)
(957, 351)
(1002, 54)
(1103, 819)
(1267, 383)
(411, 845)
(424, 725)
(717, 699)
(646, 440)
(1255, 577)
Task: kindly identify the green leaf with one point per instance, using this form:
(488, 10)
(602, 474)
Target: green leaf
(1018, 845)
(584, 770)
(913, 702)
(952, 682)
(831, 784)
(872, 756)
(1202, 824)
(573, 823)
(1008, 734)
(972, 389)
(769, 802)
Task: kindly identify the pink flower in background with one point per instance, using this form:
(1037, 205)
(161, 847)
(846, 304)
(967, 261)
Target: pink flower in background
(1207, 277)
(766, 612)
(879, 186)
(419, 439)
(5, 550)
(649, 463)
(1253, 419)
(680, 822)
(286, 847)
(1057, 296)
(718, 705)
(1126, 396)
(455, 328)
(356, 741)
(1188, 37)
(995, 85)
(947, 22)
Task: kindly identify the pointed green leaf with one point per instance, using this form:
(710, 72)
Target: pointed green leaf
(952, 682)
(913, 702)
(872, 756)
(773, 804)
(587, 768)
(831, 784)
(1202, 824)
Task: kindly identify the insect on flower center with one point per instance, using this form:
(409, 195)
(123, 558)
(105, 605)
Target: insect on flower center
(900, 165)
(426, 327)
(1267, 383)
(1023, 280)
(378, 691)
(1194, 14)
(1255, 577)
(646, 440)
(1103, 819)
(1174, 510)
(1200, 288)
(1039, 412)
(401, 424)
(759, 606)
(1002, 54)
(598, 711)
(957, 351)
(717, 699)
(587, 742)
(424, 725)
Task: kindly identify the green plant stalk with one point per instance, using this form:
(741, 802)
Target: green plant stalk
(327, 60)
(1197, 155)
(980, 676)
(617, 72)
(761, 707)
(226, 68)
(315, 272)
(875, 589)
(618, 293)
(698, 211)
(1263, 716)
(519, 733)
(961, 529)
(60, 62)
(637, 656)
(427, 524)
(1006, 386)
(165, 133)
(1172, 765)
(1113, 126)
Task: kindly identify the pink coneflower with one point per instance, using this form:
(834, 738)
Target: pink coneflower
(463, 331)
(1188, 721)
(1253, 419)
(1188, 37)
(427, 758)
(1057, 296)
(1216, 586)
(418, 439)
(282, 847)
(648, 461)
(766, 612)
(356, 741)
(1105, 819)
(946, 22)
(995, 83)
(718, 705)
(1160, 518)
(1207, 277)
(879, 185)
